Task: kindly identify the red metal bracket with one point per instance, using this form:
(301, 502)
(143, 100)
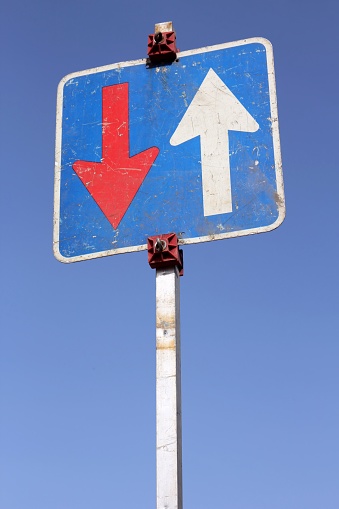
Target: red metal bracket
(161, 46)
(163, 251)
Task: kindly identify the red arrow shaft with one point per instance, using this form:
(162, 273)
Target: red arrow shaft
(115, 128)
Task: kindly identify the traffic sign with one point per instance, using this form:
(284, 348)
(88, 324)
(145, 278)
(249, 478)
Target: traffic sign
(190, 147)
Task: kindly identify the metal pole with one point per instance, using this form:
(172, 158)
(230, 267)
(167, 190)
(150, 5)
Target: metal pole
(168, 390)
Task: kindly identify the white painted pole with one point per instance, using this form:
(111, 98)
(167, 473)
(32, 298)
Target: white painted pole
(168, 390)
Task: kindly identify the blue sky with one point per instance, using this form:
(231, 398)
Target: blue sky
(259, 313)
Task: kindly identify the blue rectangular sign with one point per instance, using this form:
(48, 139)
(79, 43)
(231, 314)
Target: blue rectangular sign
(191, 148)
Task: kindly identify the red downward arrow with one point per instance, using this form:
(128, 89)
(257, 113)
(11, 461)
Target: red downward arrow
(114, 182)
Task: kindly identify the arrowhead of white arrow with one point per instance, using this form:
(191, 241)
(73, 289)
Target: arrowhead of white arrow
(214, 106)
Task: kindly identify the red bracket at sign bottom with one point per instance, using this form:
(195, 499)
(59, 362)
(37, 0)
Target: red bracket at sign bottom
(163, 251)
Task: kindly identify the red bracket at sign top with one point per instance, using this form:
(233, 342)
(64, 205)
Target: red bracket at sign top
(114, 182)
(162, 47)
(163, 251)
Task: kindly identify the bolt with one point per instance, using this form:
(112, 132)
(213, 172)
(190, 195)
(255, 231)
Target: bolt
(158, 37)
(159, 245)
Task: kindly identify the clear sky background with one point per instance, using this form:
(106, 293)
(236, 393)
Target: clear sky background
(260, 346)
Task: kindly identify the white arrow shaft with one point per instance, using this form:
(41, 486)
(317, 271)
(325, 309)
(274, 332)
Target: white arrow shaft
(216, 175)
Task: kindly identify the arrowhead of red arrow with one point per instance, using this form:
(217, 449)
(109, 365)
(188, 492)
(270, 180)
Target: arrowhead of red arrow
(114, 182)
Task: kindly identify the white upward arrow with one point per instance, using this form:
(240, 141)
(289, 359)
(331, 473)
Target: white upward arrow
(213, 112)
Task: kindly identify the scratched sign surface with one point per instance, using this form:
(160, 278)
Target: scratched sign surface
(191, 148)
